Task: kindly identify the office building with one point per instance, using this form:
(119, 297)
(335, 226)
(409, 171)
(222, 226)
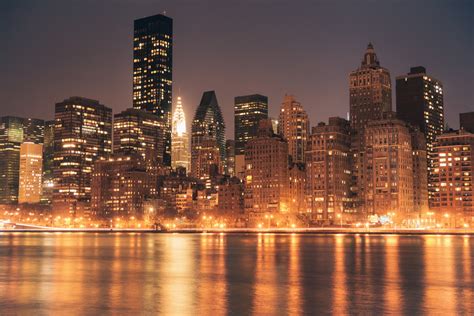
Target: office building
(13, 132)
(249, 110)
(141, 132)
(207, 127)
(31, 173)
(153, 72)
(82, 135)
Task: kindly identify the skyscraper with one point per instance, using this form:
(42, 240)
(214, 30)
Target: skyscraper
(293, 125)
(208, 125)
(13, 132)
(140, 132)
(370, 95)
(152, 71)
(31, 173)
(249, 110)
(370, 91)
(179, 139)
(82, 134)
(420, 103)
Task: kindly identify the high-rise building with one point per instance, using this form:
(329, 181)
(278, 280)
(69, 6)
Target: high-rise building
(152, 71)
(179, 139)
(293, 126)
(328, 164)
(230, 197)
(452, 183)
(266, 173)
(31, 173)
(370, 95)
(420, 103)
(82, 134)
(249, 110)
(48, 159)
(208, 125)
(370, 91)
(120, 186)
(141, 132)
(230, 157)
(466, 121)
(13, 132)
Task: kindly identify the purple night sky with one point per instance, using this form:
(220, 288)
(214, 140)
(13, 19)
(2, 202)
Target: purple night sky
(55, 49)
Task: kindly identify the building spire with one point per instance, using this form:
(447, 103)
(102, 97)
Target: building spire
(370, 58)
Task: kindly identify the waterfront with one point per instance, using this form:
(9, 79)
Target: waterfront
(188, 274)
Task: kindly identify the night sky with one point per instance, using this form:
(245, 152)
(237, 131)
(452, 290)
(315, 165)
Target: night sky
(55, 49)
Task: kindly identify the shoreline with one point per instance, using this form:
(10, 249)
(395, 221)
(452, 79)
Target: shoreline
(283, 231)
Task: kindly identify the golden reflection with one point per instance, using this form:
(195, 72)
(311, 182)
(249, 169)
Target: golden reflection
(212, 295)
(439, 275)
(294, 277)
(339, 277)
(265, 288)
(177, 276)
(392, 291)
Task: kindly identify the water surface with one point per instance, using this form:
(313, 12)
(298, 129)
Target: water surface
(238, 274)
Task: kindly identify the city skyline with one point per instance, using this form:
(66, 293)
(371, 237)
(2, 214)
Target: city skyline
(315, 79)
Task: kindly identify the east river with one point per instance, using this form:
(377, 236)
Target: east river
(237, 274)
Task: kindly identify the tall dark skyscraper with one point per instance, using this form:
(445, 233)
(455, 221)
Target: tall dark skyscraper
(82, 134)
(248, 111)
(208, 125)
(420, 103)
(152, 71)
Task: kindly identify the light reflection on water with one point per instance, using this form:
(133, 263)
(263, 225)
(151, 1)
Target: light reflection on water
(217, 274)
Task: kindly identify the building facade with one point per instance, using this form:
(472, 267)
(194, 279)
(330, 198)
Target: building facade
(249, 110)
(452, 183)
(13, 132)
(328, 163)
(141, 132)
(388, 168)
(179, 139)
(230, 157)
(31, 173)
(208, 126)
(293, 126)
(120, 186)
(82, 135)
(153, 72)
(266, 173)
